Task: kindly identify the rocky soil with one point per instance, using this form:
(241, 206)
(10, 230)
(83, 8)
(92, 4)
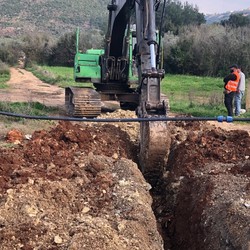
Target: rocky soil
(79, 186)
(207, 188)
(75, 187)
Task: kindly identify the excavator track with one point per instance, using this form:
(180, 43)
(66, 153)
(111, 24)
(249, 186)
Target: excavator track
(154, 147)
(82, 102)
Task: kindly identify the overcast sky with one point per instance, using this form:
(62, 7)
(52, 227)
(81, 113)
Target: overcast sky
(219, 6)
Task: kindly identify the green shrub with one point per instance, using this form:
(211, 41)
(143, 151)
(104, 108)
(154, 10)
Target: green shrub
(204, 50)
(4, 74)
(4, 68)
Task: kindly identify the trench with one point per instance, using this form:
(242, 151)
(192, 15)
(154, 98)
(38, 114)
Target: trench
(168, 203)
(183, 190)
(162, 208)
(173, 206)
(195, 199)
(173, 210)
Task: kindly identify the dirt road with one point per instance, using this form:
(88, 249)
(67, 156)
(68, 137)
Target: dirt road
(25, 87)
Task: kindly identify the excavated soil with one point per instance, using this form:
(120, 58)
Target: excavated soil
(75, 187)
(206, 204)
(78, 186)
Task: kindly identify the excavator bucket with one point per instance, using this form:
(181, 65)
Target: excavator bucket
(155, 143)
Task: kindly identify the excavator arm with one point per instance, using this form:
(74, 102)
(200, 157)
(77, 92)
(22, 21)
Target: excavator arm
(149, 74)
(154, 137)
(131, 40)
(115, 61)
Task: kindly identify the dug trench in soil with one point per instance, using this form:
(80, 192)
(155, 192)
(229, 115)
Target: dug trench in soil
(202, 200)
(77, 187)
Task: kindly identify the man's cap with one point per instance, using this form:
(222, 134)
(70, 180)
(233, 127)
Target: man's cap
(234, 66)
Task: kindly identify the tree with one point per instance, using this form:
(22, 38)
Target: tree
(37, 48)
(177, 15)
(9, 52)
(207, 50)
(64, 50)
(237, 20)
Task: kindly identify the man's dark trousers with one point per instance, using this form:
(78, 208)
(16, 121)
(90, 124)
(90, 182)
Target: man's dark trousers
(228, 101)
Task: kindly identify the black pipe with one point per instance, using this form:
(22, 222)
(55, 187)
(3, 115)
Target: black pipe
(158, 118)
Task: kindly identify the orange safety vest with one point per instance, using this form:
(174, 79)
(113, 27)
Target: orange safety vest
(233, 85)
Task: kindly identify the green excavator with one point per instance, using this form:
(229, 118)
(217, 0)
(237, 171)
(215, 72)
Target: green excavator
(113, 79)
(128, 71)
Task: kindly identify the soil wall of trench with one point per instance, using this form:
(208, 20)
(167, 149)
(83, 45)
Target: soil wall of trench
(78, 186)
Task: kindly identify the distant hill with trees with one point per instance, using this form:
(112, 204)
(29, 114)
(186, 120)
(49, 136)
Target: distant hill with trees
(53, 17)
(177, 15)
(218, 17)
(57, 17)
(44, 30)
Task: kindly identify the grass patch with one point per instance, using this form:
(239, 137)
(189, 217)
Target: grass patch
(4, 75)
(61, 76)
(196, 96)
(197, 110)
(3, 80)
(186, 83)
(193, 95)
(30, 108)
(46, 75)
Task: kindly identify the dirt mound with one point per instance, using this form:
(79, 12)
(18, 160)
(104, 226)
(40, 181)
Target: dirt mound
(59, 147)
(75, 187)
(78, 186)
(207, 181)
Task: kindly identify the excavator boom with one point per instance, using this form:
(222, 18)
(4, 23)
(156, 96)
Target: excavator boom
(129, 56)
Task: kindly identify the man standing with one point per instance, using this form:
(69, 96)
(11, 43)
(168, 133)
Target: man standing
(239, 93)
(231, 82)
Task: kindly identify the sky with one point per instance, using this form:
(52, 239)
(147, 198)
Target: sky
(219, 6)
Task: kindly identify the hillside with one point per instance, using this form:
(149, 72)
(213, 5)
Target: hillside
(55, 17)
(216, 18)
